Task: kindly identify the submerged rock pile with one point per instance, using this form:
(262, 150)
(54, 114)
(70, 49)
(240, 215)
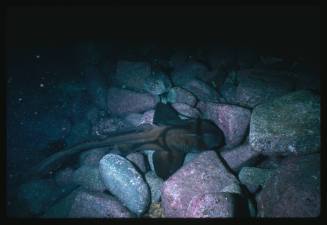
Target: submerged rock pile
(263, 116)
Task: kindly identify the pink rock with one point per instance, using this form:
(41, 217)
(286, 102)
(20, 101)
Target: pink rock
(121, 101)
(232, 120)
(139, 160)
(205, 174)
(240, 156)
(148, 117)
(97, 205)
(186, 110)
(106, 126)
(293, 190)
(211, 205)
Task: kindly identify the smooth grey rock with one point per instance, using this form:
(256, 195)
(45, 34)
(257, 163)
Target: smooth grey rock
(186, 110)
(155, 184)
(138, 160)
(123, 181)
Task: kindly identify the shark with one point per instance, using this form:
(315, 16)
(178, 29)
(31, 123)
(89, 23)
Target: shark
(169, 137)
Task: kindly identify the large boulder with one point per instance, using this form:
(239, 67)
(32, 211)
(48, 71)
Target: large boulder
(231, 119)
(120, 102)
(293, 190)
(108, 125)
(131, 74)
(125, 182)
(205, 174)
(287, 125)
(138, 160)
(252, 87)
(186, 110)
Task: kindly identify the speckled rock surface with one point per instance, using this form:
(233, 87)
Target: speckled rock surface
(231, 119)
(121, 101)
(187, 71)
(97, 205)
(254, 178)
(123, 181)
(211, 205)
(250, 87)
(293, 190)
(205, 174)
(287, 125)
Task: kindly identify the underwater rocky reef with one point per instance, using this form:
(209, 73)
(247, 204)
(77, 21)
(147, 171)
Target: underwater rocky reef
(104, 130)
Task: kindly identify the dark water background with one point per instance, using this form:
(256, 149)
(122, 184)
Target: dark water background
(49, 47)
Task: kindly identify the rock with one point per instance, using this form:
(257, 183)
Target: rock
(121, 102)
(64, 177)
(187, 72)
(231, 119)
(155, 211)
(251, 87)
(270, 162)
(293, 190)
(147, 117)
(107, 126)
(92, 157)
(136, 119)
(186, 110)
(138, 160)
(89, 178)
(205, 174)
(210, 205)
(39, 195)
(157, 83)
(240, 156)
(287, 125)
(94, 115)
(155, 184)
(202, 91)
(123, 181)
(180, 95)
(97, 205)
(254, 178)
(131, 75)
(189, 157)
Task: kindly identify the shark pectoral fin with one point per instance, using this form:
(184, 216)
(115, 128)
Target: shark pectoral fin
(166, 163)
